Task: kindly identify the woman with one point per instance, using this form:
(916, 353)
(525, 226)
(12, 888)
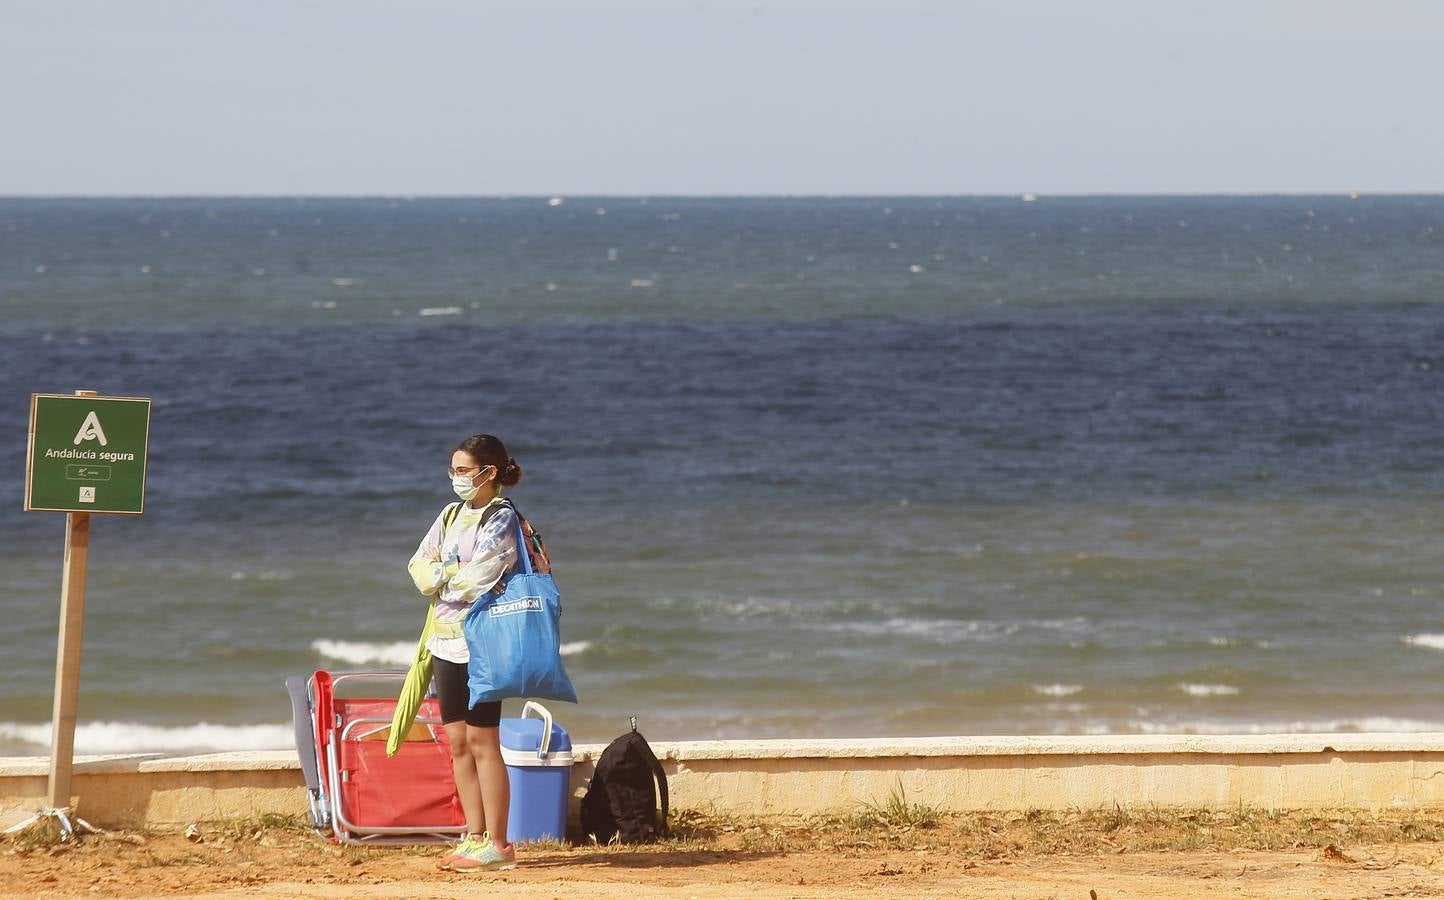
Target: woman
(461, 558)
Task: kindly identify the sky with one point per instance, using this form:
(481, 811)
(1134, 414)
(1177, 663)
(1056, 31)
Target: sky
(712, 97)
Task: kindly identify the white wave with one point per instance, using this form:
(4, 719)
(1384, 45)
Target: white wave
(1208, 690)
(1057, 690)
(1365, 724)
(440, 311)
(939, 630)
(1238, 642)
(133, 737)
(261, 576)
(1432, 641)
(361, 654)
(945, 631)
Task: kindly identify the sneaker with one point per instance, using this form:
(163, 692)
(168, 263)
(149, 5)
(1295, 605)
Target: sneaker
(482, 856)
(445, 860)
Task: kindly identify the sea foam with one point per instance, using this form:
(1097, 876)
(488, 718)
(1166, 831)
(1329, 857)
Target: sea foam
(1057, 690)
(1432, 641)
(134, 737)
(1208, 690)
(399, 653)
(361, 654)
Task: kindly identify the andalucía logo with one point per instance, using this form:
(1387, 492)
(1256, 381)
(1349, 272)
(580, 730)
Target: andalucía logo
(90, 430)
(525, 604)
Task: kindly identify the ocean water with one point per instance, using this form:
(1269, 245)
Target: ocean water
(807, 467)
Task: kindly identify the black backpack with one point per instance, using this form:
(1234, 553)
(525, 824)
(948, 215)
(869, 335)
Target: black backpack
(620, 801)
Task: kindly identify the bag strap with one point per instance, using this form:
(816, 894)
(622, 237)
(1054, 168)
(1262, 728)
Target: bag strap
(660, 775)
(523, 556)
(523, 564)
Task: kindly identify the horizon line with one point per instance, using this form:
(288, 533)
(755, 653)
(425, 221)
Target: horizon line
(1012, 195)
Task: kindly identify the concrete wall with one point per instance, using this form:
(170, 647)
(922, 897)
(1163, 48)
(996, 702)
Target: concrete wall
(1335, 771)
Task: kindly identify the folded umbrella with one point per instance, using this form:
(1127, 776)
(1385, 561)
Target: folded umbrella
(413, 689)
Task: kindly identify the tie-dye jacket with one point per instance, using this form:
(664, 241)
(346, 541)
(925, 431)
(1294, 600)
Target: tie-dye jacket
(460, 565)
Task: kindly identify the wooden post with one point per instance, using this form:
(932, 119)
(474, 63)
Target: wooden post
(67, 657)
(67, 654)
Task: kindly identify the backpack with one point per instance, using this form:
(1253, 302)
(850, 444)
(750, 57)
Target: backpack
(620, 801)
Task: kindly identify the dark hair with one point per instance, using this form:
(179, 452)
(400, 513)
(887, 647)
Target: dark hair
(488, 450)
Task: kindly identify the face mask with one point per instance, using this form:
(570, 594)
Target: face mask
(463, 486)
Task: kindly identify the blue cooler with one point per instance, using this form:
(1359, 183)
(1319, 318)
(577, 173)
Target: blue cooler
(538, 757)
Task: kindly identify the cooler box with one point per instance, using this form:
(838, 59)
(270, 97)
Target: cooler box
(538, 757)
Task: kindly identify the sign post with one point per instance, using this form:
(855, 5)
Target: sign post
(87, 455)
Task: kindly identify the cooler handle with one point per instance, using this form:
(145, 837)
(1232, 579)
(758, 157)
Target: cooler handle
(546, 717)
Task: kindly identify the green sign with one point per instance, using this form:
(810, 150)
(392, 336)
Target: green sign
(87, 454)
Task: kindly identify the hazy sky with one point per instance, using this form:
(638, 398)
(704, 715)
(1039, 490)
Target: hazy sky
(720, 97)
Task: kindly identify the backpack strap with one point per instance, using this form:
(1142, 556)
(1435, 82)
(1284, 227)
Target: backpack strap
(661, 777)
(453, 510)
(491, 510)
(448, 516)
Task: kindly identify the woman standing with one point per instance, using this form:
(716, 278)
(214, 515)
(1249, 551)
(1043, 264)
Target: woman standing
(465, 553)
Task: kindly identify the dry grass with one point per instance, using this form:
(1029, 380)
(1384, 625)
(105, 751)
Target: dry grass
(898, 824)
(895, 823)
(39, 835)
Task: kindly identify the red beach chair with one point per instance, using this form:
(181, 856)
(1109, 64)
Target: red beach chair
(357, 794)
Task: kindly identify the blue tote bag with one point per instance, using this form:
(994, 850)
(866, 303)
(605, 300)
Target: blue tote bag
(515, 637)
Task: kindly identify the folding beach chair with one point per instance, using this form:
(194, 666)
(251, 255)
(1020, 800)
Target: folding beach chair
(357, 794)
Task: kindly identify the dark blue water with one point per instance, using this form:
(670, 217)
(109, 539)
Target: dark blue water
(974, 465)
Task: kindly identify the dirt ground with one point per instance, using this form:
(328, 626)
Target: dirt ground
(1022, 855)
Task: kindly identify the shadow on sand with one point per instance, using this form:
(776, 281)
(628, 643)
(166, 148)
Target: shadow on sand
(655, 857)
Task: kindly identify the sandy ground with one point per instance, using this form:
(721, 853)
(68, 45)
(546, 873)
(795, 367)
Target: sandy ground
(289, 862)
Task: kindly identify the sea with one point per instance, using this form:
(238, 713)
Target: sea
(807, 467)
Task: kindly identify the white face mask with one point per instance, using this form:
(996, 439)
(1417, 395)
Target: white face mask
(464, 487)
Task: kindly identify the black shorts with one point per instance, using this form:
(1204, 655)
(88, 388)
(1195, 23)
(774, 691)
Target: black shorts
(452, 694)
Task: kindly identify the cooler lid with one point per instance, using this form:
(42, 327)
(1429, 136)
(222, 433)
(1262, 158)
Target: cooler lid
(526, 734)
